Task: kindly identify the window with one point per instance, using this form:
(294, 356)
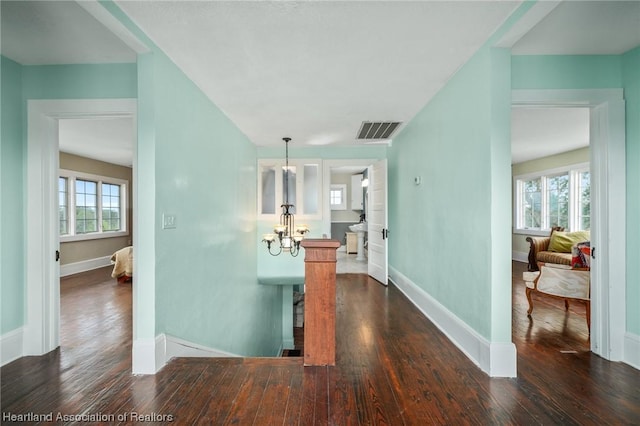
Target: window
(338, 197)
(63, 205)
(86, 207)
(558, 197)
(304, 187)
(91, 206)
(110, 207)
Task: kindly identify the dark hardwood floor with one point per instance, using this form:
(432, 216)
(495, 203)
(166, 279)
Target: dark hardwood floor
(393, 367)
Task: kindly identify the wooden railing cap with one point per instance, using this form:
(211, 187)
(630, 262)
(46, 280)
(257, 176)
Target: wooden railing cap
(320, 243)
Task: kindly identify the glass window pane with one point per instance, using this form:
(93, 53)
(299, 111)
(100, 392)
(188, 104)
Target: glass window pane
(91, 188)
(268, 188)
(310, 193)
(584, 201)
(532, 204)
(63, 205)
(558, 201)
(289, 196)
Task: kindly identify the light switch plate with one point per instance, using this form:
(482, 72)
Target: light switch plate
(168, 221)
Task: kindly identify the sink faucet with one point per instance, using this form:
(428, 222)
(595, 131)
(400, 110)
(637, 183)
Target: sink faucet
(362, 218)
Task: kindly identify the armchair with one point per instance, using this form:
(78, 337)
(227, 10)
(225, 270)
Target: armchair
(558, 273)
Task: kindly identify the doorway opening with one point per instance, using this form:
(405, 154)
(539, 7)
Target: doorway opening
(359, 190)
(348, 196)
(607, 191)
(95, 217)
(551, 189)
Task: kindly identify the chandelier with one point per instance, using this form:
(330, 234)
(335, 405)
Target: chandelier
(286, 232)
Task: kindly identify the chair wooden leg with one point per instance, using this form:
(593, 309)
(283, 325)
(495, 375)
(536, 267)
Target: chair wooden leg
(566, 304)
(530, 301)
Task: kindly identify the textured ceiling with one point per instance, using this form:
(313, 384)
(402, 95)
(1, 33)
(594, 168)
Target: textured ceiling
(57, 32)
(313, 70)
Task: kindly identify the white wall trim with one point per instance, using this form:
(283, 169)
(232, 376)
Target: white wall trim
(495, 359)
(632, 350)
(520, 256)
(41, 328)
(146, 354)
(176, 347)
(11, 346)
(164, 347)
(84, 265)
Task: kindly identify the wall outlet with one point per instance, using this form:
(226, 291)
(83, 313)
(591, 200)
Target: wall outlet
(168, 221)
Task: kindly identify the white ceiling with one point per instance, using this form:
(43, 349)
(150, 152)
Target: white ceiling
(313, 70)
(104, 139)
(540, 132)
(58, 32)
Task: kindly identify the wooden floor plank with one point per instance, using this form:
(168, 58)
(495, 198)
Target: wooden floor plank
(393, 367)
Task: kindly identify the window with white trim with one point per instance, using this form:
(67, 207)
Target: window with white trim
(558, 197)
(305, 180)
(338, 196)
(91, 206)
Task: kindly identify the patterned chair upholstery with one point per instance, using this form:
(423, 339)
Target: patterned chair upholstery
(538, 251)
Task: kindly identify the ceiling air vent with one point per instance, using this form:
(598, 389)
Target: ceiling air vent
(370, 130)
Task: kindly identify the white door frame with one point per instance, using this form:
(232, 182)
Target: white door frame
(608, 233)
(42, 319)
(327, 165)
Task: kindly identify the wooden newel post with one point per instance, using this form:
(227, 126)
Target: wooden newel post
(320, 301)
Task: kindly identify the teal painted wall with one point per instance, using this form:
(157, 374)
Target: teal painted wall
(12, 248)
(441, 230)
(80, 81)
(19, 84)
(200, 280)
(326, 152)
(205, 172)
(565, 72)
(451, 235)
(631, 84)
(598, 72)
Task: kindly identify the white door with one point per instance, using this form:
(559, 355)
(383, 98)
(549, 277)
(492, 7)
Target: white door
(377, 219)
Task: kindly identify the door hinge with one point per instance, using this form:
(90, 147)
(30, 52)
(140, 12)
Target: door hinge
(57, 255)
(593, 252)
(385, 233)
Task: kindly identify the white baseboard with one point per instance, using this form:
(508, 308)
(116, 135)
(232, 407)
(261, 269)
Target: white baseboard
(632, 350)
(11, 346)
(84, 265)
(176, 347)
(520, 256)
(495, 359)
(146, 357)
